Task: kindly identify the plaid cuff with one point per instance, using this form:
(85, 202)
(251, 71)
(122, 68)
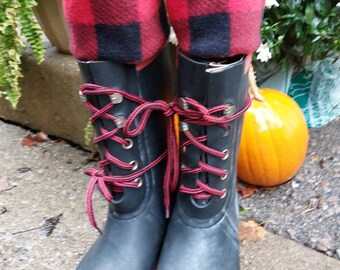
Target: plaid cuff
(216, 28)
(127, 31)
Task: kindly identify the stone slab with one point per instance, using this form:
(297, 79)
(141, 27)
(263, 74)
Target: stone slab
(275, 252)
(50, 100)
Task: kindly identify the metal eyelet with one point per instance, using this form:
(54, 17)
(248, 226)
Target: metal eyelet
(116, 98)
(184, 149)
(130, 144)
(134, 164)
(225, 176)
(140, 182)
(183, 126)
(226, 152)
(183, 104)
(224, 194)
(230, 111)
(82, 97)
(226, 131)
(120, 121)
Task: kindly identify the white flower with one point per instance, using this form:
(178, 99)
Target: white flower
(264, 53)
(270, 3)
(172, 37)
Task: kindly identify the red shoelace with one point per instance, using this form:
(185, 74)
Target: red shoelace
(101, 179)
(192, 112)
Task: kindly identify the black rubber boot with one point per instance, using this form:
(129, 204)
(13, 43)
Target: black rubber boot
(203, 230)
(134, 230)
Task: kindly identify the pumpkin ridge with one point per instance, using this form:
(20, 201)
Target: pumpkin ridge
(247, 162)
(276, 157)
(256, 151)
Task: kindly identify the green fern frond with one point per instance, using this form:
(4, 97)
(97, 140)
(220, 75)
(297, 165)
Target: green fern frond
(16, 20)
(31, 29)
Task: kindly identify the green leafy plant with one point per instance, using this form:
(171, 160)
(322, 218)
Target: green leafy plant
(295, 31)
(18, 26)
(88, 133)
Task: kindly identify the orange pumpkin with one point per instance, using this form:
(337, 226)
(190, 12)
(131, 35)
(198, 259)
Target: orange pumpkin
(274, 140)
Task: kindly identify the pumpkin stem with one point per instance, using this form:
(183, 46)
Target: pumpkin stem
(254, 90)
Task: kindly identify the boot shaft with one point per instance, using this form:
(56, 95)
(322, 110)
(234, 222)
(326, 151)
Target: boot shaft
(127, 112)
(150, 83)
(211, 84)
(203, 229)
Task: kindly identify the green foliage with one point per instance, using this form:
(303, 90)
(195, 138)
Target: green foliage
(298, 30)
(17, 25)
(88, 133)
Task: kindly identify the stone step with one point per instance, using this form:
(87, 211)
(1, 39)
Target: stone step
(50, 100)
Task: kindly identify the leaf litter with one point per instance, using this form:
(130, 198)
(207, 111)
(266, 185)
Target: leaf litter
(251, 231)
(32, 140)
(48, 226)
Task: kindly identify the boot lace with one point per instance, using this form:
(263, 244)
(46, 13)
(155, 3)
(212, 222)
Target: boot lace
(192, 112)
(103, 178)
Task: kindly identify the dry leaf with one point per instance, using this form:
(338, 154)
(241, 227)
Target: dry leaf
(251, 231)
(314, 158)
(24, 170)
(3, 210)
(50, 224)
(48, 227)
(240, 186)
(245, 189)
(323, 161)
(249, 191)
(41, 137)
(28, 141)
(31, 141)
(321, 202)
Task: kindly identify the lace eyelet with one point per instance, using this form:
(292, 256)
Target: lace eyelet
(225, 176)
(226, 131)
(120, 121)
(183, 126)
(129, 145)
(224, 194)
(183, 104)
(134, 164)
(184, 149)
(116, 98)
(140, 182)
(226, 152)
(230, 111)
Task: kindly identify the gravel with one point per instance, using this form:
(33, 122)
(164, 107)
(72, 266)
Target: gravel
(306, 209)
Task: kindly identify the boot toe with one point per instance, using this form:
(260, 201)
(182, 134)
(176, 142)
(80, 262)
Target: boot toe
(131, 244)
(188, 248)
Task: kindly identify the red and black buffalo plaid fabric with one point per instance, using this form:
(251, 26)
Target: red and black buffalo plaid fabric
(128, 31)
(216, 28)
(132, 31)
